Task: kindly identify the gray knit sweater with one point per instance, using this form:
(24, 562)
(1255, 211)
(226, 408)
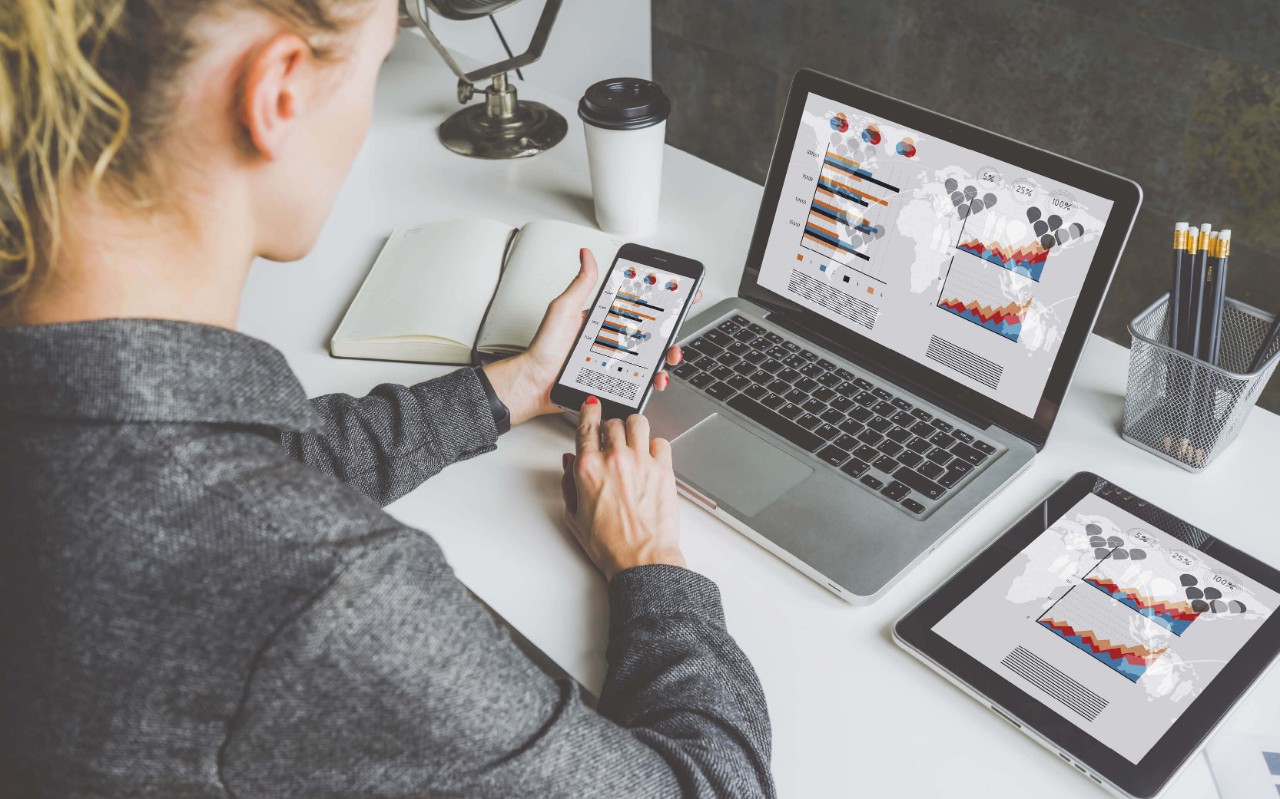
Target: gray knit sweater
(187, 610)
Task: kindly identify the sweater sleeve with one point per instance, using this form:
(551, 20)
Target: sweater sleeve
(394, 682)
(387, 443)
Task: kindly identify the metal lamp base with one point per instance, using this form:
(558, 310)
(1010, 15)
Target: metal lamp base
(529, 128)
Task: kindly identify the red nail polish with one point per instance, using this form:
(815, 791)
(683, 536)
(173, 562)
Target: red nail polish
(592, 400)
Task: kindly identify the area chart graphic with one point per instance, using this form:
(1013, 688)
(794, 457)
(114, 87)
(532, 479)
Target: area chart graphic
(1027, 261)
(1091, 622)
(1175, 616)
(1004, 319)
(1131, 661)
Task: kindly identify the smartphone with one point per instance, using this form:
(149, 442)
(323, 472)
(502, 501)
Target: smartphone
(643, 300)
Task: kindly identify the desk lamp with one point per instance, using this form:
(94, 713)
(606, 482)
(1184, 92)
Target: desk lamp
(503, 126)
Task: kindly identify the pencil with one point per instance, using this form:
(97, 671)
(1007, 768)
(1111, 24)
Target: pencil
(1209, 302)
(1174, 310)
(1199, 263)
(1184, 301)
(1220, 298)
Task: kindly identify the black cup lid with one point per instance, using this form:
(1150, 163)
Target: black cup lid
(624, 104)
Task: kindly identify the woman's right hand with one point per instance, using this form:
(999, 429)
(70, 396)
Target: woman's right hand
(620, 493)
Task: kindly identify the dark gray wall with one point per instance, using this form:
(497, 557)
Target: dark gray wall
(1183, 97)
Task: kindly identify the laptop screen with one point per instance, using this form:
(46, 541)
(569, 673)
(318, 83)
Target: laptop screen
(957, 260)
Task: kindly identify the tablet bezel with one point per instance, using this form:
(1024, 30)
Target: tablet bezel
(1187, 735)
(1125, 195)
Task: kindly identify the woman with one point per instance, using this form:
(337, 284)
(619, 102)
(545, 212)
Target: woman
(200, 593)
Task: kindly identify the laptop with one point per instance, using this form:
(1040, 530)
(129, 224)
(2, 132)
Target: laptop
(915, 299)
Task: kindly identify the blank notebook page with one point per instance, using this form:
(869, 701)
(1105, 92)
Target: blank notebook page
(430, 281)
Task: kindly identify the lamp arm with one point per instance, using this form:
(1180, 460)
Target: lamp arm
(538, 43)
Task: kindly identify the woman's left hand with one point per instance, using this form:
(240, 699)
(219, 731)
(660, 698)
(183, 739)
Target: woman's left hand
(523, 382)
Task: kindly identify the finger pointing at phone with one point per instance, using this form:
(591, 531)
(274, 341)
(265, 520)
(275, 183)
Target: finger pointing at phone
(620, 493)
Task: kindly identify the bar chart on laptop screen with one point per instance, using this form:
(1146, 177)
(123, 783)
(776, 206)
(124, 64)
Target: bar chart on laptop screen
(847, 213)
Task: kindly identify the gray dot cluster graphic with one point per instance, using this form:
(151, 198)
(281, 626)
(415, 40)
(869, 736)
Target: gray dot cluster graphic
(1208, 599)
(1111, 544)
(1050, 230)
(966, 200)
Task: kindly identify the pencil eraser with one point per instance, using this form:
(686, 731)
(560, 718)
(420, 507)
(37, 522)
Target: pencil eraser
(1206, 227)
(1180, 226)
(1226, 234)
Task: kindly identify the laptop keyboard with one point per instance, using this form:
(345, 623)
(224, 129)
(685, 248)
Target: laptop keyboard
(883, 442)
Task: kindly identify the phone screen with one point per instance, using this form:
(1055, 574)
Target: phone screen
(627, 333)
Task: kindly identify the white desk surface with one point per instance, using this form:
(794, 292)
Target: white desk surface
(851, 712)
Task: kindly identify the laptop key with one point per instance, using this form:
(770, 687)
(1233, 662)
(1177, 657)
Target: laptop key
(883, 408)
(902, 419)
(880, 424)
(921, 414)
(773, 402)
(875, 484)
(721, 391)
(810, 356)
(903, 404)
(814, 406)
(941, 425)
(913, 506)
(808, 421)
(852, 426)
(789, 375)
(791, 346)
(865, 398)
(881, 393)
(931, 470)
(922, 429)
(718, 337)
(889, 447)
(847, 442)
(968, 453)
(870, 437)
(773, 338)
(862, 414)
(865, 453)
(844, 374)
(758, 329)
(685, 370)
(811, 370)
(721, 372)
(942, 440)
(745, 368)
(790, 411)
(777, 424)
(950, 477)
(833, 455)
(757, 392)
(745, 335)
(959, 466)
(739, 348)
(900, 434)
(885, 464)
(825, 364)
(919, 483)
(806, 385)
(984, 446)
(794, 361)
(795, 395)
(728, 359)
(771, 366)
(830, 380)
(863, 383)
(832, 416)
(755, 356)
(739, 319)
(778, 387)
(895, 491)
(910, 458)
(702, 380)
(938, 456)
(854, 468)
(824, 394)
(827, 431)
(842, 404)
(739, 382)
(919, 445)
(963, 436)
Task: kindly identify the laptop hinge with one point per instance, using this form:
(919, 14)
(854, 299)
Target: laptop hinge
(920, 391)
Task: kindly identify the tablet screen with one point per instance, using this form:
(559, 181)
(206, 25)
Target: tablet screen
(1111, 622)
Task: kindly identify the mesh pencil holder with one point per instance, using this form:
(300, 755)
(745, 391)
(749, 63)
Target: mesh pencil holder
(1183, 409)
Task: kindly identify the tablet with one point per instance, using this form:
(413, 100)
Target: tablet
(1106, 628)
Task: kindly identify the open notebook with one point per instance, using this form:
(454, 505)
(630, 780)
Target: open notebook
(445, 292)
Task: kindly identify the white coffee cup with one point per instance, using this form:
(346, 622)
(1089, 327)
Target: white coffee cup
(626, 124)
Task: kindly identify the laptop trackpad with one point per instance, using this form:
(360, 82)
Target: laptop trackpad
(734, 466)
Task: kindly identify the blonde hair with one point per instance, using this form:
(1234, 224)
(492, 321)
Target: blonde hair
(86, 89)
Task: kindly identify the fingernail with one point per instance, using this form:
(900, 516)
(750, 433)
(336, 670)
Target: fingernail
(592, 400)
(679, 355)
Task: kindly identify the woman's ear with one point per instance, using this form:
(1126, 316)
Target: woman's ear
(273, 91)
